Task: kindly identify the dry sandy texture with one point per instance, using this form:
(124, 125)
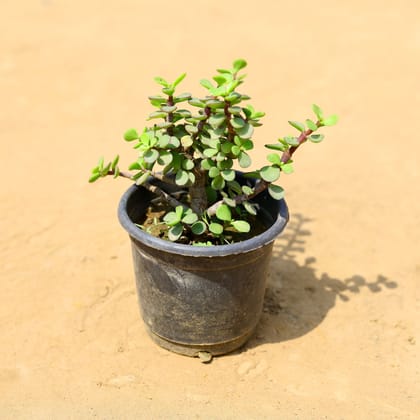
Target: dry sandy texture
(340, 335)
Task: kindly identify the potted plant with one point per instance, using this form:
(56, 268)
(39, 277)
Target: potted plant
(201, 230)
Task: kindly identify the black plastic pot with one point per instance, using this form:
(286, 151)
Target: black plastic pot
(195, 298)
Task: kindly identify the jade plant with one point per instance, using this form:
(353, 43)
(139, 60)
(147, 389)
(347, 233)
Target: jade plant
(192, 147)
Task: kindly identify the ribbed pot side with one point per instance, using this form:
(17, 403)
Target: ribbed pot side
(193, 298)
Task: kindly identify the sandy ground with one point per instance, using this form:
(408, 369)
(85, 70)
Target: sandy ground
(339, 337)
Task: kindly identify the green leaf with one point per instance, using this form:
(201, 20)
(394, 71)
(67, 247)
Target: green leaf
(274, 158)
(311, 125)
(168, 108)
(291, 141)
(157, 114)
(241, 226)
(131, 135)
(247, 190)
(316, 138)
(175, 232)
(216, 228)
(168, 90)
(276, 192)
(172, 218)
(187, 164)
(191, 177)
(223, 213)
(213, 172)
(181, 178)
(115, 162)
(116, 172)
(270, 173)
(214, 103)
(235, 110)
(182, 97)
(216, 120)
(229, 201)
(179, 80)
(209, 152)
(228, 175)
(142, 178)
(317, 111)
(174, 142)
(218, 183)
(237, 122)
(331, 120)
(191, 129)
(151, 156)
(239, 64)
(206, 164)
(134, 166)
(186, 141)
(165, 158)
(246, 131)
(198, 228)
(179, 210)
(163, 141)
(287, 168)
(247, 145)
(94, 177)
(244, 160)
(190, 218)
(296, 124)
(161, 81)
(206, 83)
(250, 208)
(280, 147)
(196, 102)
(226, 148)
(225, 164)
(236, 150)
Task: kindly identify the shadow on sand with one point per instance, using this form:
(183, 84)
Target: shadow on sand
(296, 299)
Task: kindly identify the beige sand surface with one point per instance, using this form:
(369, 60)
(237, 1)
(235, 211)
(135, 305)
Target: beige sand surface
(339, 338)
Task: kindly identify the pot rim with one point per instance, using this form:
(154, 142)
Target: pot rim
(247, 245)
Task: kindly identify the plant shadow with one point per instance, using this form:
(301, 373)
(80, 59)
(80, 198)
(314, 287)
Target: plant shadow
(296, 299)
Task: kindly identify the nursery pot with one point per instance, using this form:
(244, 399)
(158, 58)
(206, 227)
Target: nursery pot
(198, 298)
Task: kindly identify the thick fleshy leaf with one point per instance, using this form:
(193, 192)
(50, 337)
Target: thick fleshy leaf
(276, 146)
(179, 79)
(172, 218)
(246, 131)
(331, 120)
(187, 164)
(142, 178)
(274, 158)
(241, 226)
(317, 111)
(151, 156)
(316, 138)
(228, 175)
(239, 64)
(165, 158)
(250, 208)
(223, 213)
(270, 173)
(298, 125)
(276, 192)
(175, 232)
(190, 218)
(131, 135)
(198, 228)
(311, 125)
(287, 168)
(244, 160)
(216, 228)
(218, 183)
(213, 172)
(181, 178)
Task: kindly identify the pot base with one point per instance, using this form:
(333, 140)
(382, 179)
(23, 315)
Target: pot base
(192, 350)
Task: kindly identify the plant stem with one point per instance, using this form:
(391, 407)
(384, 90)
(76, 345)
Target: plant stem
(263, 185)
